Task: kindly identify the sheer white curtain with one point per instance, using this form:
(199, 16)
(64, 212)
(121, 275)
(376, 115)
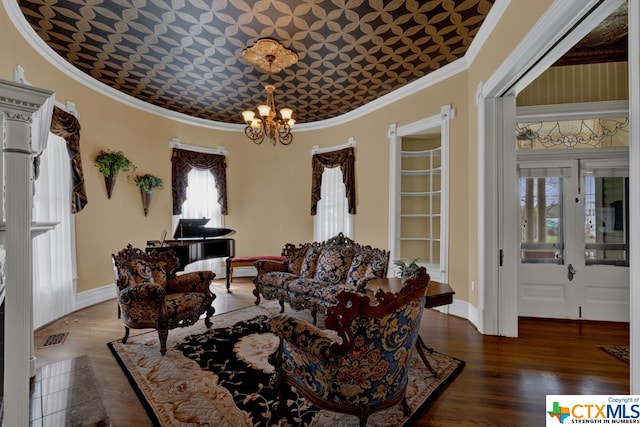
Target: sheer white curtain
(202, 202)
(332, 214)
(54, 255)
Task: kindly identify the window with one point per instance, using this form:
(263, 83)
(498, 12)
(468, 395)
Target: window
(333, 191)
(541, 217)
(606, 221)
(202, 202)
(550, 229)
(54, 270)
(599, 132)
(332, 215)
(199, 186)
(202, 198)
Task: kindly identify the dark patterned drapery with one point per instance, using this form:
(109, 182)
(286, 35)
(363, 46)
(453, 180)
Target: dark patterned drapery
(344, 158)
(182, 161)
(66, 126)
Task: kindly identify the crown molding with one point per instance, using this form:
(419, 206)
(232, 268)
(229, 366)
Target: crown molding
(490, 22)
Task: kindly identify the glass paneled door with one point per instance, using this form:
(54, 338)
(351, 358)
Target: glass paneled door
(574, 233)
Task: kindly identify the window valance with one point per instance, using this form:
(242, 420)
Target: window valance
(67, 126)
(344, 158)
(182, 161)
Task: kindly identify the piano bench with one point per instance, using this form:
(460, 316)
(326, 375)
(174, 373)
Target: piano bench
(246, 261)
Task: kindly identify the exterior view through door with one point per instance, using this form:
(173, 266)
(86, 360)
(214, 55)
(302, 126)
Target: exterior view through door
(574, 219)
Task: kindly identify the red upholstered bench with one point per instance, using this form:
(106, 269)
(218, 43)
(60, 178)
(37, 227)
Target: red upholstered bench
(246, 261)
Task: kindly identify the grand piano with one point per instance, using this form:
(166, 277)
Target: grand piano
(192, 242)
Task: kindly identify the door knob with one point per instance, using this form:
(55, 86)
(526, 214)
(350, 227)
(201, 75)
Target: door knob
(571, 272)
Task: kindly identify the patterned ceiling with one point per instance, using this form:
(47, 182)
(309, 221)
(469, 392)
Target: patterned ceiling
(186, 55)
(608, 42)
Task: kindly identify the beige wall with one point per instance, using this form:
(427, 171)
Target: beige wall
(269, 187)
(516, 22)
(578, 83)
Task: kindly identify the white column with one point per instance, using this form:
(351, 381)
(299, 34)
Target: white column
(18, 103)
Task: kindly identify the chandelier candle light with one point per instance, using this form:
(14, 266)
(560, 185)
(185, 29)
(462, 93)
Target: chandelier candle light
(270, 56)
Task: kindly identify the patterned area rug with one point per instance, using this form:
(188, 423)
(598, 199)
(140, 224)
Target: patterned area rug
(220, 377)
(619, 351)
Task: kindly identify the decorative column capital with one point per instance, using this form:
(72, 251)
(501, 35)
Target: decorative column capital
(21, 98)
(13, 116)
(18, 103)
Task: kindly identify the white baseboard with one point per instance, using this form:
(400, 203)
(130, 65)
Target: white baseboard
(94, 296)
(461, 309)
(85, 299)
(474, 317)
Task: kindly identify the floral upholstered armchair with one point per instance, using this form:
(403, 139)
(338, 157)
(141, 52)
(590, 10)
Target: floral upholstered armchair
(150, 295)
(366, 366)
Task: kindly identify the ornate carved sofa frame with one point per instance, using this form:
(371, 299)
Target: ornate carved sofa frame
(313, 274)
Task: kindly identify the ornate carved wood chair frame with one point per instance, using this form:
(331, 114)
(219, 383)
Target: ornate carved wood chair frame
(359, 363)
(150, 295)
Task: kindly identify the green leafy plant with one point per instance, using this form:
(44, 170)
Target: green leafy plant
(148, 182)
(109, 163)
(407, 268)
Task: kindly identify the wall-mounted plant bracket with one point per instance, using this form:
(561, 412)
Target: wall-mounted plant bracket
(109, 163)
(147, 183)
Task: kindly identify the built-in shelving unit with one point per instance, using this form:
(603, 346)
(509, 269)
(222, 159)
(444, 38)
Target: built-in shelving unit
(420, 199)
(418, 193)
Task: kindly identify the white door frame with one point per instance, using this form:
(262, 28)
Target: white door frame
(545, 43)
(441, 122)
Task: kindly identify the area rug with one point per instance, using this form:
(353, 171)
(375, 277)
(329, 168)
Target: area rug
(619, 351)
(220, 377)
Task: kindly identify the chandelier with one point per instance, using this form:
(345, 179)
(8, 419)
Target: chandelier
(270, 56)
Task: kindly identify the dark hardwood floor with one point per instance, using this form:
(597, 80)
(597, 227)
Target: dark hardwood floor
(504, 382)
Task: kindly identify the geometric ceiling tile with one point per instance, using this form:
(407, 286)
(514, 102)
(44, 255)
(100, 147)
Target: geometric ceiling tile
(186, 55)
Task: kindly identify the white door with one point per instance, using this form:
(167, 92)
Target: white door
(574, 253)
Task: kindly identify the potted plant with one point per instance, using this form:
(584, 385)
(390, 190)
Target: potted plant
(147, 183)
(406, 268)
(109, 163)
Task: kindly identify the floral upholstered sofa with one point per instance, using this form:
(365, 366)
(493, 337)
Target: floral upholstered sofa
(313, 274)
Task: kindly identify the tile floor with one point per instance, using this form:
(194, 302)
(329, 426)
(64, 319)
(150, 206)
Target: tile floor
(66, 394)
